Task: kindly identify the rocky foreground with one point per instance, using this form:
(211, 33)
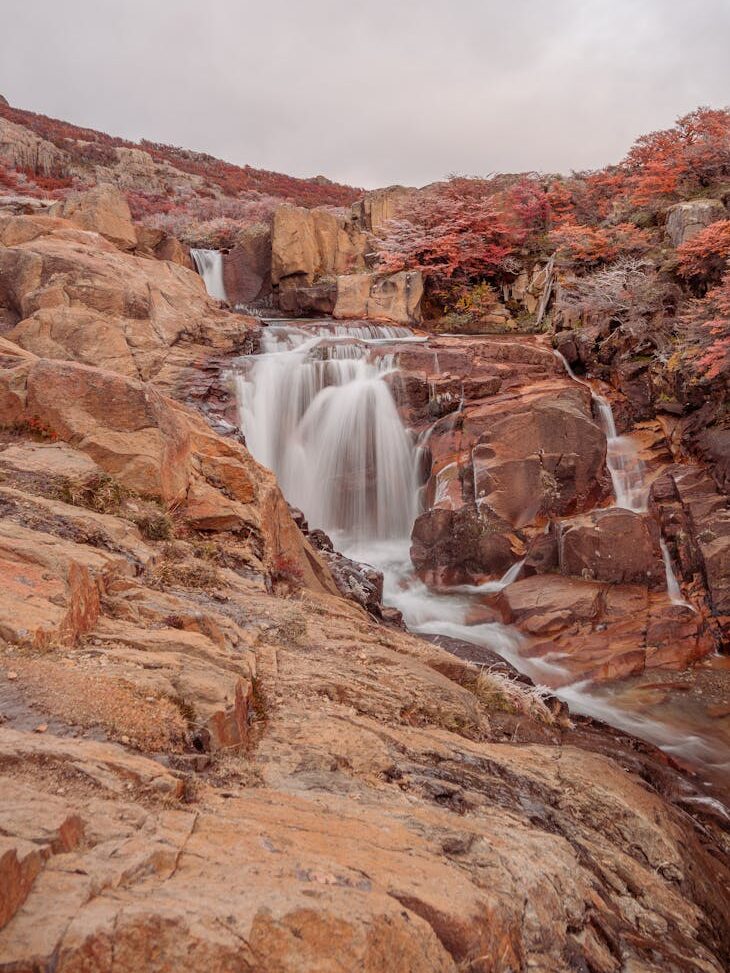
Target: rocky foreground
(210, 759)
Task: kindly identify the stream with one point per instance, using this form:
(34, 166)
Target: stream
(315, 408)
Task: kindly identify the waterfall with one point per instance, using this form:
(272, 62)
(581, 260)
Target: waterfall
(673, 589)
(318, 412)
(625, 466)
(628, 473)
(209, 264)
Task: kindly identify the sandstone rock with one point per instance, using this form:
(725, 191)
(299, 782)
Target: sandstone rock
(613, 545)
(686, 220)
(379, 206)
(247, 266)
(309, 244)
(537, 454)
(75, 296)
(104, 210)
(20, 148)
(395, 298)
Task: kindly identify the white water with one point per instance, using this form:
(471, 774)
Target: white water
(315, 407)
(318, 412)
(625, 466)
(209, 264)
(673, 589)
(628, 476)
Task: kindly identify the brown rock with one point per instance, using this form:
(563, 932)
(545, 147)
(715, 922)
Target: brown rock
(104, 210)
(247, 266)
(613, 545)
(686, 220)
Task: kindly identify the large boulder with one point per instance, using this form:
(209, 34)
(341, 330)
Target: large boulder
(247, 266)
(686, 220)
(309, 244)
(393, 298)
(538, 454)
(70, 294)
(614, 545)
(103, 209)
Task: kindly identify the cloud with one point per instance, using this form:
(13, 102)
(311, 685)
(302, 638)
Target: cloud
(376, 93)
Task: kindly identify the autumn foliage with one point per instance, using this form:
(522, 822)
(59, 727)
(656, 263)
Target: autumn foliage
(704, 257)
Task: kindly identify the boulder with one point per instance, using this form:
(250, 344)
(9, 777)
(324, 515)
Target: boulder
(309, 244)
(614, 545)
(461, 542)
(247, 265)
(538, 454)
(686, 220)
(394, 298)
(103, 209)
(71, 294)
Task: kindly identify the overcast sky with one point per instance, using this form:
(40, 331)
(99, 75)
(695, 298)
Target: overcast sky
(373, 92)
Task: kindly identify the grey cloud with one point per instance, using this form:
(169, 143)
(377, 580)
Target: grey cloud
(375, 93)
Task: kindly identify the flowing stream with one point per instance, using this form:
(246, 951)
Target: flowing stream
(315, 406)
(209, 264)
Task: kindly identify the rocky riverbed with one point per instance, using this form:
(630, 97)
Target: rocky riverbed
(211, 759)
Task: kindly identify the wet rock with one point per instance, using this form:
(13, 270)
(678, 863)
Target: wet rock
(613, 545)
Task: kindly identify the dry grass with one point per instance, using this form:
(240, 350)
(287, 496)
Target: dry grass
(499, 692)
(90, 699)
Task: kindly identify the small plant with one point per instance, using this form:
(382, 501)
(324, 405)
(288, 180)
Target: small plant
(499, 692)
(285, 570)
(155, 526)
(99, 492)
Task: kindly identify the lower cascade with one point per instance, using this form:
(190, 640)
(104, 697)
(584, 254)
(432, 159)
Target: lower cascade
(315, 406)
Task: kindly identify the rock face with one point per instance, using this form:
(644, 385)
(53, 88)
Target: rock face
(686, 220)
(612, 545)
(394, 298)
(309, 244)
(22, 149)
(103, 209)
(247, 266)
(70, 294)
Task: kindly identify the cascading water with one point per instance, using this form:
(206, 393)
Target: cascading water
(628, 473)
(209, 264)
(318, 412)
(625, 466)
(316, 408)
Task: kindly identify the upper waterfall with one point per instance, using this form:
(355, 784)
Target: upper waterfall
(209, 264)
(317, 411)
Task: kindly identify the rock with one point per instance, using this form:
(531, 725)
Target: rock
(102, 209)
(318, 299)
(72, 295)
(395, 298)
(20, 148)
(613, 545)
(454, 546)
(309, 244)
(247, 266)
(696, 521)
(379, 206)
(537, 454)
(686, 220)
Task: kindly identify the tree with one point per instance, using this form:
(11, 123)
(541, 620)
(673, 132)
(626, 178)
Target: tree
(704, 258)
(705, 328)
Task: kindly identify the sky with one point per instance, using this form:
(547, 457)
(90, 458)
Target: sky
(372, 93)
